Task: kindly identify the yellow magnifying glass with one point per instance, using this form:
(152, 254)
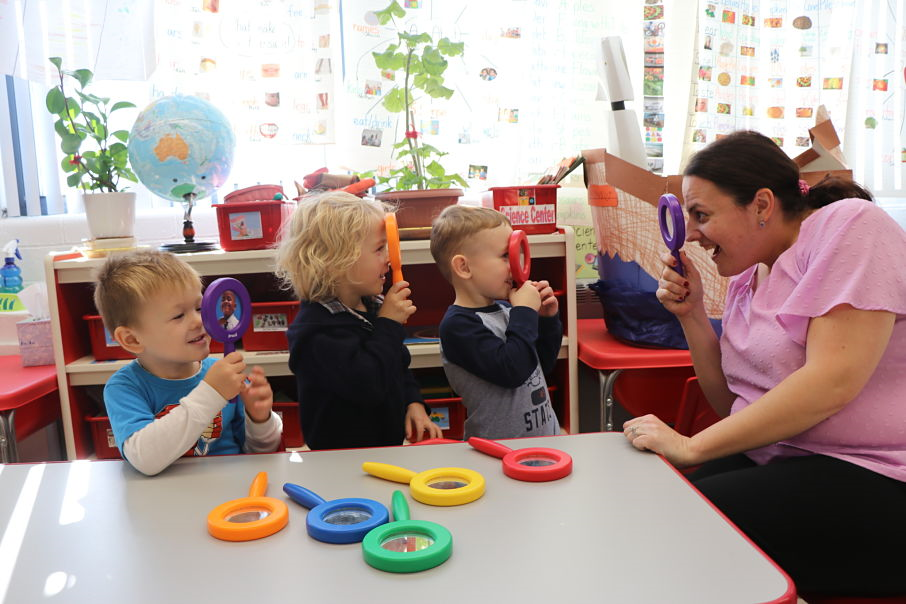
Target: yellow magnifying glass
(251, 517)
(439, 486)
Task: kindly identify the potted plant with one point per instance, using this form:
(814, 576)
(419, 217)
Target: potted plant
(95, 158)
(421, 186)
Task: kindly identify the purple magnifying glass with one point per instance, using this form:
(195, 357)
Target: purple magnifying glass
(226, 312)
(673, 226)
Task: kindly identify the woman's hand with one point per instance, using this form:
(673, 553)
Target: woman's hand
(680, 295)
(648, 433)
(418, 423)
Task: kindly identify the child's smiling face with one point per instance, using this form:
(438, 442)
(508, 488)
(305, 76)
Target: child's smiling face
(368, 274)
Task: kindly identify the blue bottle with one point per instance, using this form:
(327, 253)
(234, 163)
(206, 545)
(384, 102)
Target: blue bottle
(10, 274)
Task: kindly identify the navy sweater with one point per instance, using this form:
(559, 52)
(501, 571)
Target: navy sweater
(353, 377)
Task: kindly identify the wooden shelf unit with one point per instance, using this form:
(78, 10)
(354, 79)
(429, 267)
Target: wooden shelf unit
(70, 279)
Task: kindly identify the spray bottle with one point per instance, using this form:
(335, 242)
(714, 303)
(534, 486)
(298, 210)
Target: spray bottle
(10, 278)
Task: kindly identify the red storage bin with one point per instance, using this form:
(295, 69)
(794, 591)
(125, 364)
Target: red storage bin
(102, 435)
(292, 424)
(269, 323)
(251, 225)
(103, 346)
(449, 414)
(532, 208)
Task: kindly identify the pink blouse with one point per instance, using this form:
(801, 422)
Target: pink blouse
(849, 252)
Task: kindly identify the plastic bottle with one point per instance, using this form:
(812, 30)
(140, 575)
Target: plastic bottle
(10, 274)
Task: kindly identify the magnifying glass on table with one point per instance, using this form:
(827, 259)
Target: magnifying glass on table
(520, 257)
(532, 464)
(226, 312)
(345, 520)
(251, 517)
(393, 247)
(673, 226)
(406, 545)
(439, 486)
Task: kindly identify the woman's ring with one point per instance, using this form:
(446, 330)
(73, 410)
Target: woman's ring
(634, 429)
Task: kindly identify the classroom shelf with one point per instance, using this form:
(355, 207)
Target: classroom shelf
(70, 276)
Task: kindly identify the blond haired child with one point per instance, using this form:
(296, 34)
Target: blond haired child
(495, 353)
(346, 342)
(172, 399)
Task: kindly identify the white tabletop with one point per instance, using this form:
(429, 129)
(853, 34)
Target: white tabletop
(623, 527)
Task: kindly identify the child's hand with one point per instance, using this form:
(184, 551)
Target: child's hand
(527, 295)
(397, 305)
(257, 396)
(226, 375)
(550, 306)
(418, 422)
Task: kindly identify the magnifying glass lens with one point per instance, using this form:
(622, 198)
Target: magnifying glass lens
(447, 482)
(671, 228)
(407, 542)
(537, 461)
(347, 516)
(248, 515)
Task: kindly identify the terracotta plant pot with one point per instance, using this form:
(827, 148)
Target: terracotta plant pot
(418, 208)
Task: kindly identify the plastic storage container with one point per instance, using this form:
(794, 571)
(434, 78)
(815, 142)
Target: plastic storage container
(269, 323)
(103, 346)
(255, 193)
(102, 435)
(532, 208)
(292, 425)
(251, 225)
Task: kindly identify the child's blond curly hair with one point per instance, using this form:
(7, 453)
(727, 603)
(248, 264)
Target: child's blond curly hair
(323, 240)
(454, 227)
(126, 281)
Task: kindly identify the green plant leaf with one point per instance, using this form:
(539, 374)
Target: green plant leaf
(437, 90)
(73, 179)
(88, 98)
(55, 101)
(57, 61)
(123, 135)
(67, 165)
(435, 169)
(394, 101)
(62, 128)
(389, 59)
(70, 144)
(450, 49)
(73, 106)
(415, 39)
(459, 180)
(433, 62)
(121, 105)
(83, 76)
(393, 10)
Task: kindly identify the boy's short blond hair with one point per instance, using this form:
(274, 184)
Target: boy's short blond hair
(126, 281)
(454, 227)
(323, 240)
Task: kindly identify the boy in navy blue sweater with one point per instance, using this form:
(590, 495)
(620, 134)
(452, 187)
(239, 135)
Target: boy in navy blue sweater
(495, 353)
(346, 343)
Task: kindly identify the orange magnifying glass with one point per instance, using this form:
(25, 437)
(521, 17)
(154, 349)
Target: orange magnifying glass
(393, 247)
(251, 517)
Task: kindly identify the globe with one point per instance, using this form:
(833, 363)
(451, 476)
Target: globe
(180, 146)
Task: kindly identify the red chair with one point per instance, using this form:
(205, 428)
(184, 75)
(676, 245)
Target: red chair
(694, 413)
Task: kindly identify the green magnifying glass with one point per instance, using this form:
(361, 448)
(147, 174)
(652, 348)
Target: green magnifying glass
(406, 545)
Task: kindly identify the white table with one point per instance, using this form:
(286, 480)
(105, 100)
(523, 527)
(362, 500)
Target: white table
(623, 527)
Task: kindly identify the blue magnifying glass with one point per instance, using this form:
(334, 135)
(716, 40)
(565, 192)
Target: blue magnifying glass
(345, 520)
(673, 226)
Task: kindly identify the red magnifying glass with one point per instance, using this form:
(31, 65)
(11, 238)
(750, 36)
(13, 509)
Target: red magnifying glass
(532, 464)
(393, 247)
(520, 257)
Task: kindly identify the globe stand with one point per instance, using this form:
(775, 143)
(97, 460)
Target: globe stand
(188, 233)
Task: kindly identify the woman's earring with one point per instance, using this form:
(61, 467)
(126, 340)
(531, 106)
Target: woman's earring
(761, 224)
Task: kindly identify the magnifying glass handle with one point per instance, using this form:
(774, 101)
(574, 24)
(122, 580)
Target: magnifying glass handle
(302, 496)
(679, 264)
(399, 506)
(228, 348)
(490, 447)
(259, 485)
(389, 472)
(393, 247)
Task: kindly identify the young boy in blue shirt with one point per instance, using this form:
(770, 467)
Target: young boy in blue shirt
(172, 399)
(495, 353)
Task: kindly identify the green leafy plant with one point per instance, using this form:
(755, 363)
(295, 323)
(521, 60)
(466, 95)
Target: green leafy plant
(421, 65)
(80, 118)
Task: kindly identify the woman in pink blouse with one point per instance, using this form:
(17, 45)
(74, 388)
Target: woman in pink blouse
(809, 375)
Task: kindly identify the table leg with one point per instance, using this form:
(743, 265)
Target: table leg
(606, 380)
(8, 451)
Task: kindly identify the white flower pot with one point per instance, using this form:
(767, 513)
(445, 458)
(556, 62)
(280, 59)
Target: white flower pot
(110, 214)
